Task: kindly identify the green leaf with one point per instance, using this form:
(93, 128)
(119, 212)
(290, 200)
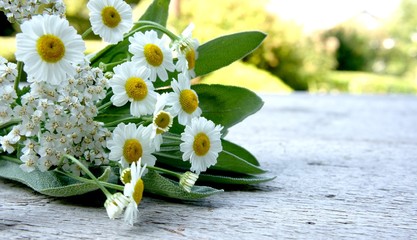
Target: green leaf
(157, 12)
(236, 180)
(232, 162)
(239, 151)
(156, 184)
(227, 105)
(49, 183)
(224, 50)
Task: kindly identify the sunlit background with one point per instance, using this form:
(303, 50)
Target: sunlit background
(352, 46)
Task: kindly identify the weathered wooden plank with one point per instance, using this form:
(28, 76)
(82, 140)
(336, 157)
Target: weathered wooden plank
(346, 167)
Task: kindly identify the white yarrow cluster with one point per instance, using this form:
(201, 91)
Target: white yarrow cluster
(20, 11)
(57, 120)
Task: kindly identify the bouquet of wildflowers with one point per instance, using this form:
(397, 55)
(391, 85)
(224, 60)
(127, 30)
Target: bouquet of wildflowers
(125, 119)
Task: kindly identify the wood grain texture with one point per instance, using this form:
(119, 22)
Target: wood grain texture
(346, 168)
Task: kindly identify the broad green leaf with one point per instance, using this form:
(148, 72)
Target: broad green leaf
(231, 162)
(227, 105)
(236, 180)
(239, 151)
(49, 183)
(156, 184)
(224, 50)
(156, 12)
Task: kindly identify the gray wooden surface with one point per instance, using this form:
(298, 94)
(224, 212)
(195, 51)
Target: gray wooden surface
(346, 167)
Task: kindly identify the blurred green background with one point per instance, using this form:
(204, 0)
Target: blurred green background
(349, 57)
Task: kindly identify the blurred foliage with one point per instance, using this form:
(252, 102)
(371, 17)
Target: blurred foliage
(402, 29)
(364, 82)
(286, 52)
(354, 51)
(248, 76)
(389, 49)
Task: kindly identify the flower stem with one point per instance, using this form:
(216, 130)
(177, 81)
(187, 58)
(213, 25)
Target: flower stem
(11, 159)
(10, 123)
(85, 169)
(175, 174)
(81, 179)
(18, 78)
(106, 67)
(114, 123)
(86, 33)
(159, 27)
(104, 106)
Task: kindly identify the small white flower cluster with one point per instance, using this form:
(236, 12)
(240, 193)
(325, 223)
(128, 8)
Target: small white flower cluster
(8, 74)
(20, 11)
(57, 120)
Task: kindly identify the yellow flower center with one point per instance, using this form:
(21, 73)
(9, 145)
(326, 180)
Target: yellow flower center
(132, 150)
(153, 54)
(138, 191)
(126, 176)
(110, 16)
(201, 144)
(136, 88)
(188, 100)
(190, 56)
(163, 121)
(50, 48)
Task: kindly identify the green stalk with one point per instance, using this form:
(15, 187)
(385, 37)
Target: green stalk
(104, 106)
(105, 67)
(81, 179)
(11, 159)
(170, 156)
(115, 123)
(85, 169)
(86, 33)
(175, 174)
(18, 78)
(161, 28)
(10, 123)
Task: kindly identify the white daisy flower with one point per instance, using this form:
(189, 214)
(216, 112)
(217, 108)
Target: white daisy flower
(162, 121)
(115, 205)
(188, 180)
(201, 144)
(152, 52)
(134, 191)
(129, 143)
(110, 19)
(183, 100)
(131, 84)
(49, 47)
(186, 48)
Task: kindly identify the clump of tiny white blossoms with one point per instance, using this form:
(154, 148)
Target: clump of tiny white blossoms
(57, 120)
(8, 74)
(20, 11)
